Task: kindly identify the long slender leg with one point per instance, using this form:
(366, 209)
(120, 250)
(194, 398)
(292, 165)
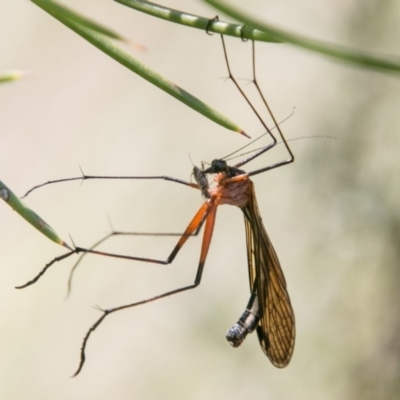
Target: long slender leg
(85, 177)
(274, 141)
(119, 233)
(233, 79)
(291, 158)
(267, 105)
(210, 214)
(194, 224)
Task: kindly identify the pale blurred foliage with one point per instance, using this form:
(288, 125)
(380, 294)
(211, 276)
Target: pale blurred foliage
(333, 216)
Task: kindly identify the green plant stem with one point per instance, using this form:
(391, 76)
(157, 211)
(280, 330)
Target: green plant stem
(10, 76)
(29, 215)
(107, 46)
(337, 52)
(195, 21)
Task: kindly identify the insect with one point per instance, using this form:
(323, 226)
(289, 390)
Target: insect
(269, 309)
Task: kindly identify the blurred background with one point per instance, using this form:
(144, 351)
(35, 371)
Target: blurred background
(333, 215)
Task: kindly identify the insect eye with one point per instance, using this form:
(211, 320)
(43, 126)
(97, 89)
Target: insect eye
(218, 166)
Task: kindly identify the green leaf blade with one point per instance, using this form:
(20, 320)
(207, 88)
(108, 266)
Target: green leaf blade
(29, 215)
(106, 45)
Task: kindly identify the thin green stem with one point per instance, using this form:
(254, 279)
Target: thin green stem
(103, 43)
(195, 21)
(11, 76)
(338, 52)
(29, 215)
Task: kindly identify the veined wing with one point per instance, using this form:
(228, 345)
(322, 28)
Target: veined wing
(276, 327)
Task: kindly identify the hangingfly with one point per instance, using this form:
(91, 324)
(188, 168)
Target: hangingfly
(269, 310)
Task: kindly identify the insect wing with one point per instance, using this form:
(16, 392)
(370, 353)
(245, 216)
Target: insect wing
(276, 327)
